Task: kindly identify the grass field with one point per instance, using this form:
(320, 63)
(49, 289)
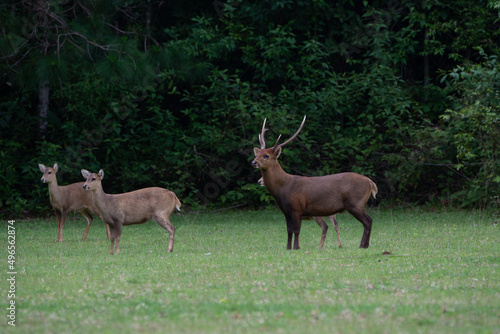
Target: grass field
(230, 273)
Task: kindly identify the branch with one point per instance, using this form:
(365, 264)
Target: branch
(121, 31)
(223, 209)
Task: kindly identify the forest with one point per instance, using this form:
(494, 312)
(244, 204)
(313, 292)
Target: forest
(173, 94)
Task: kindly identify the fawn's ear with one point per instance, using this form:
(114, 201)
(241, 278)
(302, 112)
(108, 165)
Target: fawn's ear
(85, 173)
(56, 167)
(42, 168)
(101, 174)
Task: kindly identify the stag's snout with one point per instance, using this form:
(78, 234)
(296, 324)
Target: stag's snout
(255, 164)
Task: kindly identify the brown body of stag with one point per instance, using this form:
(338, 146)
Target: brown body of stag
(320, 196)
(321, 222)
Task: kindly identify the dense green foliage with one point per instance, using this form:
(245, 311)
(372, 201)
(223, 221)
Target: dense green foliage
(231, 273)
(173, 94)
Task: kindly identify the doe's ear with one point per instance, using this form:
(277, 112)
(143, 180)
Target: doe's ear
(42, 168)
(277, 151)
(256, 150)
(56, 167)
(85, 173)
(101, 174)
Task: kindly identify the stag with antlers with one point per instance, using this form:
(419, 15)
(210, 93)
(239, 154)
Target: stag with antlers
(299, 196)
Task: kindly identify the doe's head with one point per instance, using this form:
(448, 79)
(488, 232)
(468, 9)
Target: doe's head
(92, 180)
(49, 173)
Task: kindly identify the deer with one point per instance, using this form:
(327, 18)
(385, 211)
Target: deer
(321, 222)
(317, 196)
(135, 207)
(69, 198)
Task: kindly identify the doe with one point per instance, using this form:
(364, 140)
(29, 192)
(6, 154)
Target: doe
(135, 207)
(65, 199)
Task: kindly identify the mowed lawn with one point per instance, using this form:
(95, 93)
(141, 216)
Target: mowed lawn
(230, 272)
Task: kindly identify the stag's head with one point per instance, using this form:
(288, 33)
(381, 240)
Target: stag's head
(49, 173)
(266, 157)
(92, 180)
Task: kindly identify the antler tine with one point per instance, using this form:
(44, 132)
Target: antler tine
(261, 136)
(277, 140)
(295, 135)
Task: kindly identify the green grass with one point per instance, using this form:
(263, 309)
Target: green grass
(230, 273)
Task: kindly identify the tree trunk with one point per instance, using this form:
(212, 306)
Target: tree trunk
(43, 107)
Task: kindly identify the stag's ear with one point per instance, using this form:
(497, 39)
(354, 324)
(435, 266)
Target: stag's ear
(277, 151)
(256, 150)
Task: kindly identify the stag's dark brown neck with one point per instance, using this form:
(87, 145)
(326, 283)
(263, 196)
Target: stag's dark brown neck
(274, 178)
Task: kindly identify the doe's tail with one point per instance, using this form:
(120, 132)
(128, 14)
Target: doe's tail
(177, 203)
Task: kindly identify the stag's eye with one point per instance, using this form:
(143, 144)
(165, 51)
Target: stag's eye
(266, 156)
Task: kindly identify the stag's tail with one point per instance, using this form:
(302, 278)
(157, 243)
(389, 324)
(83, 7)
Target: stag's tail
(374, 188)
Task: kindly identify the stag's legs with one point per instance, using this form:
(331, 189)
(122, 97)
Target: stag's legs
(296, 244)
(324, 227)
(336, 227)
(88, 217)
(167, 225)
(293, 228)
(289, 231)
(366, 220)
(289, 241)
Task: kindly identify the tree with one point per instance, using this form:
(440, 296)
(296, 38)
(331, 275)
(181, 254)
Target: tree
(43, 38)
(474, 121)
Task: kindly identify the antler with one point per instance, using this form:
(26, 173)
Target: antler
(261, 135)
(292, 137)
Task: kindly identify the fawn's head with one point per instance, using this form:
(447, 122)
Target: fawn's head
(92, 180)
(49, 173)
(266, 157)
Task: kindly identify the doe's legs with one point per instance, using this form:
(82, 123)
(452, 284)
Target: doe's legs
(88, 217)
(336, 227)
(324, 227)
(61, 218)
(167, 225)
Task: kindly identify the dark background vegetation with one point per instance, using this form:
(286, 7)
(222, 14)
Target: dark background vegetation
(173, 94)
